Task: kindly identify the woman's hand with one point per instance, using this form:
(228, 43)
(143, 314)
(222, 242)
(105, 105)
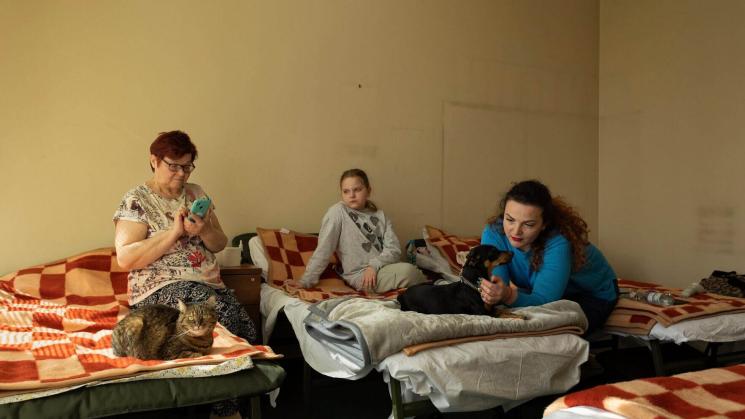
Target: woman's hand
(194, 228)
(177, 228)
(495, 291)
(369, 279)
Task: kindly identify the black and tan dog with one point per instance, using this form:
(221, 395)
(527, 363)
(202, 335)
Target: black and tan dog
(460, 297)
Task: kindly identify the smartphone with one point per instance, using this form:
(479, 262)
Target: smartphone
(200, 207)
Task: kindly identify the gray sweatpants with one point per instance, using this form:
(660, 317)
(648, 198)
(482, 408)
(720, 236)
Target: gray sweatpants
(398, 275)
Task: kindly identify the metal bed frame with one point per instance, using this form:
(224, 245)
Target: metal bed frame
(711, 356)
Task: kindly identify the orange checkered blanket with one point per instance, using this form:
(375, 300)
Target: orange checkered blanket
(449, 245)
(288, 253)
(329, 288)
(56, 321)
(638, 318)
(712, 393)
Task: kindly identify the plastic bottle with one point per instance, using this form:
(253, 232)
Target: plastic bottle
(653, 297)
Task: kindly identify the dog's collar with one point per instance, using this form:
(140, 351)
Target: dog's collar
(469, 284)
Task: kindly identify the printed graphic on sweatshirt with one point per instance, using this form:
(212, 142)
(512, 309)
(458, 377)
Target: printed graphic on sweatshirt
(371, 227)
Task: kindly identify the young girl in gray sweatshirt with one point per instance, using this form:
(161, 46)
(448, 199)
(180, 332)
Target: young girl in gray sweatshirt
(363, 238)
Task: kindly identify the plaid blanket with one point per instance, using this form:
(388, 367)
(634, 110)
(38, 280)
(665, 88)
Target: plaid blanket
(712, 393)
(288, 253)
(56, 321)
(638, 318)
(450, 245)
(329, 288)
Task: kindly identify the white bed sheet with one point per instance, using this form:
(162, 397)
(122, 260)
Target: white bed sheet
(466, 377)
(720, 328)
(583, 412)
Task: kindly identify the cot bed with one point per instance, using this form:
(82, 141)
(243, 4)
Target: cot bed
(453, 378)
(56, 357)
(466, 376)
(151, 394)
(711, 393)
(707, 322)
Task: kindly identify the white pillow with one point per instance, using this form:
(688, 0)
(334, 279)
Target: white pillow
(256, 249)
(441, 264)
(428, 262)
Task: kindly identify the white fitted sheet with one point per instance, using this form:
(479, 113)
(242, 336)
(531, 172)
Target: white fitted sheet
(583, 412)
(719, 328)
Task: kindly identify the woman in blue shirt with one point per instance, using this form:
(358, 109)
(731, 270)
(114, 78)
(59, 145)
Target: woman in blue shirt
(552, 257)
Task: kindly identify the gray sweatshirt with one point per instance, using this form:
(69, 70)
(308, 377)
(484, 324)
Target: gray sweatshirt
(360, 238)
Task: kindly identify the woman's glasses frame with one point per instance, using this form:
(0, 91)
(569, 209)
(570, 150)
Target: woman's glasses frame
(186, 168)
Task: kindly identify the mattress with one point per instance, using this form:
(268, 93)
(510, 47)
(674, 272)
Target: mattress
(720, 328)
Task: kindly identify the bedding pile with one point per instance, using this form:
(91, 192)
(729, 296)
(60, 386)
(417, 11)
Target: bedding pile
(638, 318)
(364, 332)
(716, 392)
(56, 321)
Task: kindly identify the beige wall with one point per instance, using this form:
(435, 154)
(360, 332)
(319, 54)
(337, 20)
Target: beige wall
(671, 138)
(280, 97)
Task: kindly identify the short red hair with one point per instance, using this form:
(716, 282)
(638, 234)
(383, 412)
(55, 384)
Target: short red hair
(173, 144)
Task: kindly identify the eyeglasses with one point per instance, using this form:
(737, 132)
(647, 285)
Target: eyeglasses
(187, 168)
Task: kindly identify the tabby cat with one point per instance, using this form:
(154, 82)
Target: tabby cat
(161, 332)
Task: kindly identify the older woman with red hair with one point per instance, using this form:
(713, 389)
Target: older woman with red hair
(169, 251)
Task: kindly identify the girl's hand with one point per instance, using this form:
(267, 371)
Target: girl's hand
(369, 279)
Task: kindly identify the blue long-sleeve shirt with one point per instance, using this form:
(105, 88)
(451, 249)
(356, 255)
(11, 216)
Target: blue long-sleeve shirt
(555, 278)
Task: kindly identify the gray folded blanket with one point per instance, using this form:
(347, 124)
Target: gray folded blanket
(363, 332)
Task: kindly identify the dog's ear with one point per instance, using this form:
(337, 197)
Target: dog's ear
(504, 257)
(473, 251)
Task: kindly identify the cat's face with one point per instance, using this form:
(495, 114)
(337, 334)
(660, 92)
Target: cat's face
(197, 319)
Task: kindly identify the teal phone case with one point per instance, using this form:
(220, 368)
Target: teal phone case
(200, 207)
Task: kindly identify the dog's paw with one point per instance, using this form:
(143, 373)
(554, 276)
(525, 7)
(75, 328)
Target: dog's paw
(461, 257)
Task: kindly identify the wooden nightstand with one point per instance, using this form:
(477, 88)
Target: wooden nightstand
(246, 281)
